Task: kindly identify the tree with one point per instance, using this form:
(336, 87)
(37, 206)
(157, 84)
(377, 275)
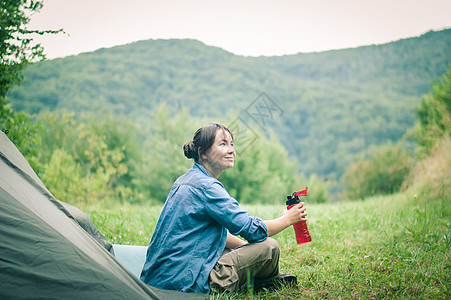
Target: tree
(164, 161)
(16, 44)
(86, 160)
(434, 115)
(16, 51)
(431, 178)
(21, 131)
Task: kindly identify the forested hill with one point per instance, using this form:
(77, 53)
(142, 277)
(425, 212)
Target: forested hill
(331, 105)
(395, 65)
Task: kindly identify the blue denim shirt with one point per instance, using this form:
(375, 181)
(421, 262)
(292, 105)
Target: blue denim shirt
(191, 233)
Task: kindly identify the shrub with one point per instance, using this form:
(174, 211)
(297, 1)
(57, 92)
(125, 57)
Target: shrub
(318, 190)
(382, 173)
(430, 178)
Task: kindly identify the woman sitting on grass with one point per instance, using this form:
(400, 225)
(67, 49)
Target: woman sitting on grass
(194, 247)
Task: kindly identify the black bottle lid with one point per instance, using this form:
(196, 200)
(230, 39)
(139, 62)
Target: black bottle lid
(292, 200)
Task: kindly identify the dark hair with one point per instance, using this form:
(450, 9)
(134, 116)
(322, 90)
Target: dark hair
(203, 139)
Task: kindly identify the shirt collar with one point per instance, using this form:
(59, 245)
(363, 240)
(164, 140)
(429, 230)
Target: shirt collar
(202, 168)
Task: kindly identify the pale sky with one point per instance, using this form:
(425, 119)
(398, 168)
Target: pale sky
(243, 27)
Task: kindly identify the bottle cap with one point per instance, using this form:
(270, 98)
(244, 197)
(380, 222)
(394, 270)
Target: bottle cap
(292, 200)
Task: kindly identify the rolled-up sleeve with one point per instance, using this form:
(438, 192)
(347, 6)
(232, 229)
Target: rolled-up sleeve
(227, 212)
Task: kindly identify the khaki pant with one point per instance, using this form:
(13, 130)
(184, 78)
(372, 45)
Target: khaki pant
(237, 266)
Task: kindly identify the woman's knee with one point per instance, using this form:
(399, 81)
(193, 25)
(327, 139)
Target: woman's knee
(268, 261)
(272, 246)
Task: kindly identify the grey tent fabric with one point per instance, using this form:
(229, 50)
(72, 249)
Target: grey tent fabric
(46, 251)
(86, 223)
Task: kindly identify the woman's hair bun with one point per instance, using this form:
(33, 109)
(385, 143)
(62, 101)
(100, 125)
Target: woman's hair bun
(190, 150)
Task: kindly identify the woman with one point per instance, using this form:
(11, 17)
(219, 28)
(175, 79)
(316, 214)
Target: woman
(194, 247)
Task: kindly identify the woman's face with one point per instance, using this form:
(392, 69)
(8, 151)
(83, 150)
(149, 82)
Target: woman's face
(221, 155)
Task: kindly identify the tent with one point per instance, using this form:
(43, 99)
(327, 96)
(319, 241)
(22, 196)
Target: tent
(52, 250)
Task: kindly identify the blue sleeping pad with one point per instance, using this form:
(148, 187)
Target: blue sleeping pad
(132, 257)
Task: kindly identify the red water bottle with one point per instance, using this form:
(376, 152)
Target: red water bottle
(300, 228)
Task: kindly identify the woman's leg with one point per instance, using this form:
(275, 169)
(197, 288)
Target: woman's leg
(237, 266)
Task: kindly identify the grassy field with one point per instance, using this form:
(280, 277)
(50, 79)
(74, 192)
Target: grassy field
(388, 247)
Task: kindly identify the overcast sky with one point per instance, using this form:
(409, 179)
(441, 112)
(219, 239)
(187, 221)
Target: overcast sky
(244, 27)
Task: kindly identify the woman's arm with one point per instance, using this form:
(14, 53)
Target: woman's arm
(289, 217)
(233, 242)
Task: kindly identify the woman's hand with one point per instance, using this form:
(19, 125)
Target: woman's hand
(296, 214)
(289, 217)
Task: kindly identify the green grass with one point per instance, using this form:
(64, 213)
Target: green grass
(394, 246)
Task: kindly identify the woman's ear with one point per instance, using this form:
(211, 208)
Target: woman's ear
(201, 154)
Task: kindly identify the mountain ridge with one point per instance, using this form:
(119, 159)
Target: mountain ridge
(336, 103)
